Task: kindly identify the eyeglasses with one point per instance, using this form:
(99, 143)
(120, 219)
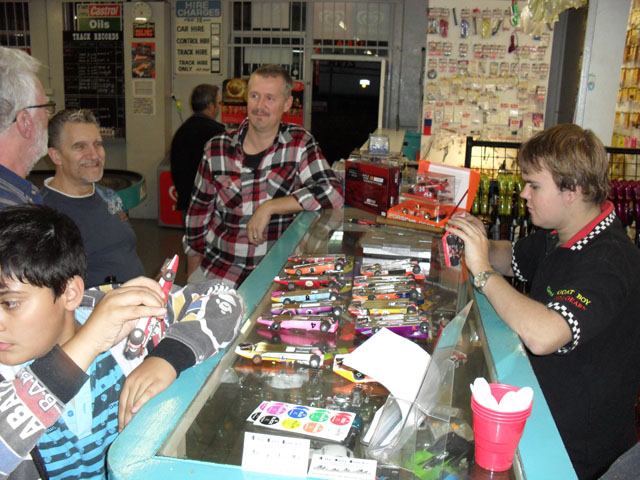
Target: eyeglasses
(49, 106)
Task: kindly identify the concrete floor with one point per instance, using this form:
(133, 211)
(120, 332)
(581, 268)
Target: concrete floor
(156, 243)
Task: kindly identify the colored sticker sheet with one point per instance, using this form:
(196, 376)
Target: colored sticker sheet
(332, 425)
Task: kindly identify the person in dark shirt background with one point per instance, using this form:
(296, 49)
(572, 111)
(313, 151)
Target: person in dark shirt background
(187, 146)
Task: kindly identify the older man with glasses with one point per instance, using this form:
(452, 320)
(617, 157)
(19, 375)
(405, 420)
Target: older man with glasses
(24, 115)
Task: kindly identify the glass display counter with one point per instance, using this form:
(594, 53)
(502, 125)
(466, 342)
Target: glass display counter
(196, 428)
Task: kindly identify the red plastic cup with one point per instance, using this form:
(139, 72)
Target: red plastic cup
(497, 434)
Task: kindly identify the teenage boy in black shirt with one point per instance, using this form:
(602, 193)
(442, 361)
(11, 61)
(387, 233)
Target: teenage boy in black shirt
(580, 322)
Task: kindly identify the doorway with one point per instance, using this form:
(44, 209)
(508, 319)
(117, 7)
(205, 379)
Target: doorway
(346, 102)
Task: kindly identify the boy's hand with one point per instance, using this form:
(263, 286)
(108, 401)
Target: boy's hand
(114, 317)
(145, 382)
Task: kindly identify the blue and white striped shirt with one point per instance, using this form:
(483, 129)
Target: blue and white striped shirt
(76, 445)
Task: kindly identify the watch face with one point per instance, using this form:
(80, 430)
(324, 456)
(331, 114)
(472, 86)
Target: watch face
(480, 279)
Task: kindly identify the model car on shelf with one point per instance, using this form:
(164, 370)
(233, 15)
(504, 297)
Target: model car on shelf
(309, 308)
(297, 296)
(318, 259)
(316, 281)
(426, 213)
(315, 268)
(264, 351)
(430, 187)
(386, 291)
(410, 326)
(382, 307)
(396, 267)
(347, 372)
(370, 280)
(322, 323)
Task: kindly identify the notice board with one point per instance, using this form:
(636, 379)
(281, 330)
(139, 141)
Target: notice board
(94, 77)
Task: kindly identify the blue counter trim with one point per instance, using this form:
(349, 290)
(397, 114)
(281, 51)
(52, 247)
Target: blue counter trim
(133, 454)
(541, 449)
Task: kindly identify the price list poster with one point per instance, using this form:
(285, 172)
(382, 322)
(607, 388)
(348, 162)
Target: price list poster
(94, 77)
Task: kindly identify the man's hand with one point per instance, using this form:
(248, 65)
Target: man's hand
(114, 317)
(257, 224)
(476, 244)
(152, 377)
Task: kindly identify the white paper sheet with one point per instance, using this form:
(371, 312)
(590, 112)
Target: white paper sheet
(394, 361)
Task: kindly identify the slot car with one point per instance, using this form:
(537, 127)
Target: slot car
(317, 259)
(382, 307)
(410, 268)
(322, 323)
(347, 372)
(368, 281)
(314, 268)
(264, 351)
(382, 291)
(328, 281)
(429, 188)
(452, 249)
(309, 308)
(323, 341)
(298, 296)
(410, 326)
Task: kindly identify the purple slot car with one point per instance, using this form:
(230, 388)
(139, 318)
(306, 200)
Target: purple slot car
(410, 326)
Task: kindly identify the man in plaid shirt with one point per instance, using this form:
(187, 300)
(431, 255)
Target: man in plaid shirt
(251, 182)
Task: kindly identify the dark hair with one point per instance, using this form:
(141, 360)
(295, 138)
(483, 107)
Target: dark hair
(575, 158)
(271, 70)
(40, 246)
(69, 115)
(203, 95)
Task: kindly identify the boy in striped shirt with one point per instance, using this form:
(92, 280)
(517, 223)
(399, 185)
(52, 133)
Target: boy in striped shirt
(66, 387)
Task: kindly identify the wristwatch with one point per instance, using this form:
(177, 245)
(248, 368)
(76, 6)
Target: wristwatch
(480, 280)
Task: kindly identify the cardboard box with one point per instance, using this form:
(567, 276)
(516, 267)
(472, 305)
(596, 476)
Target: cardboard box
(371, 187)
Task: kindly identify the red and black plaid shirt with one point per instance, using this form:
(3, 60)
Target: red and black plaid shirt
(226, 194)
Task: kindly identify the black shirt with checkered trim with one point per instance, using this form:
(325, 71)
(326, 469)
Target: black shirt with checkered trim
(591, 384)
